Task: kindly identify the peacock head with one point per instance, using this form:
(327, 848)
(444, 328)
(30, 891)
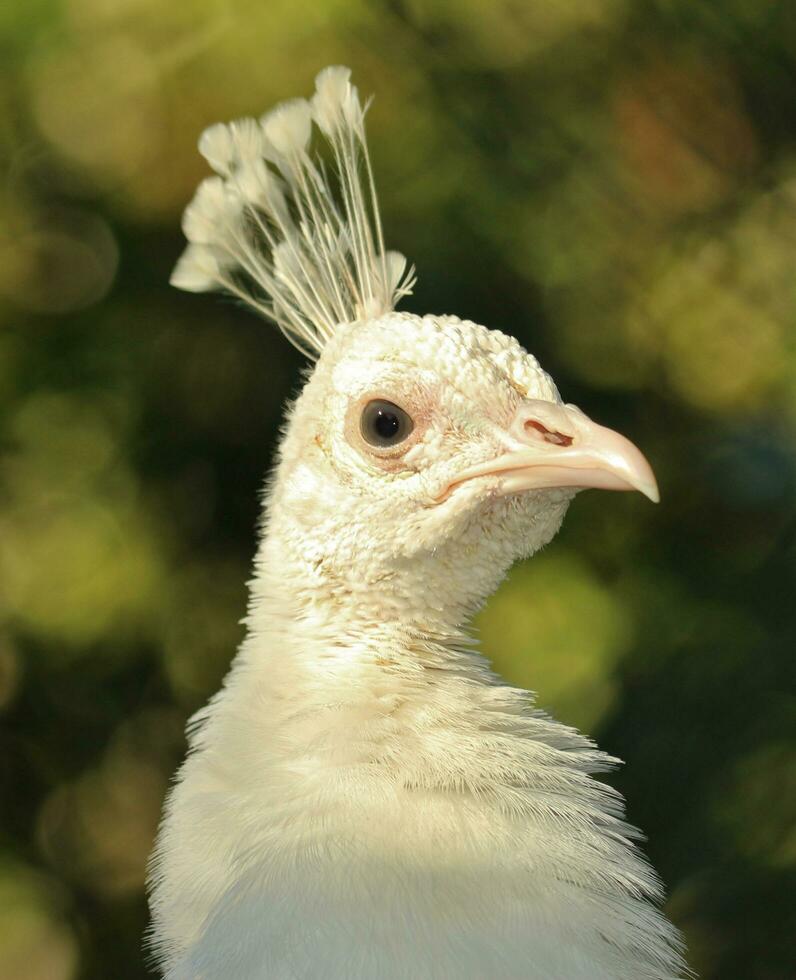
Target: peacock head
(425, 454)
(432, 452)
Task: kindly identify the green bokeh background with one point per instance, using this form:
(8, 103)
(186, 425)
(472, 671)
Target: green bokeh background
(613, 181)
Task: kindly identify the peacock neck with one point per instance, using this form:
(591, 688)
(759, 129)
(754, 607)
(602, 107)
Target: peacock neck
(337, 628)
(330, 681)
(370, 594)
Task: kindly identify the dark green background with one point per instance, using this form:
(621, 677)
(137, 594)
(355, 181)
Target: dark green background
(614, 181)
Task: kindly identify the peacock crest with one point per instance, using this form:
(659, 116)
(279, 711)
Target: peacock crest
(279, 231)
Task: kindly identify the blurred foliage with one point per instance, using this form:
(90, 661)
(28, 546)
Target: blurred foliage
(612, 180)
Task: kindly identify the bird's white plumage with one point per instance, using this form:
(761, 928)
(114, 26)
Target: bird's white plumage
(363, 798)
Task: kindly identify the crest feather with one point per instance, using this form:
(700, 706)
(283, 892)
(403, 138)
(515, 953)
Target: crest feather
(273, 229)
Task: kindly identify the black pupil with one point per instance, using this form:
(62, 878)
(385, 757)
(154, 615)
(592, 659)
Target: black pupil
(386, 423)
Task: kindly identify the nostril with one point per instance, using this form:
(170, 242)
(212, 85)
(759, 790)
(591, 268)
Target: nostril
(556, 438)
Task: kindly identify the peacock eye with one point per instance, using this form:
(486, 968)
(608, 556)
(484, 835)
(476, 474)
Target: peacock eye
(384, 424)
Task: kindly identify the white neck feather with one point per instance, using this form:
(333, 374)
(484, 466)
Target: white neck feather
(372, 783)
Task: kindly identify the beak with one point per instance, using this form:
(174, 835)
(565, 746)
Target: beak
(559, 446)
